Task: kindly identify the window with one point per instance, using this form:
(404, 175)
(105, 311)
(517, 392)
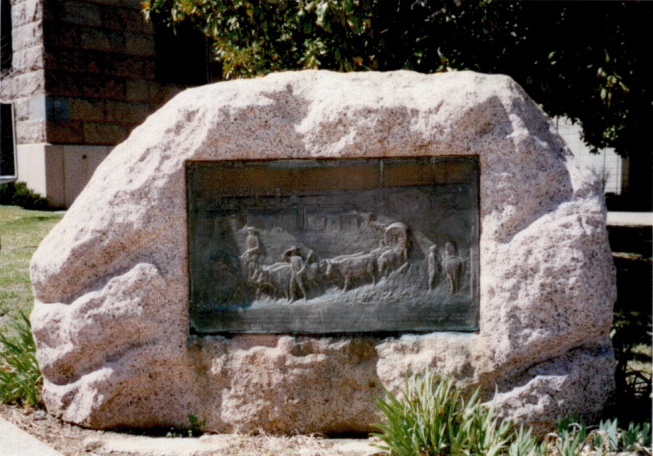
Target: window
(7, 143)
(6, 50)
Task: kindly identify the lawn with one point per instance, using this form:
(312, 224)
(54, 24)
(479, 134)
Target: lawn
(21, 231)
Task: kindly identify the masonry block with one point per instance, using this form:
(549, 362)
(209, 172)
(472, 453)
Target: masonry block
(103, 87)
(24, 85)
(137, 90)
(125, 20)
(67, 132)
(26, 12)
(123, 65)
(102, 40)
(102, 133)
(28, 132)
(66, 35)
(26, 60)
(63, 84)
(27, 36)
(81, 13)
(87, 110)
(127, 113)
(142, 45)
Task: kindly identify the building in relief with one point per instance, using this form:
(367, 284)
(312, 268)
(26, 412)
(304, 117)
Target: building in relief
(81, 75)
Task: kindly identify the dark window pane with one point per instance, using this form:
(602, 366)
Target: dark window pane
(7, 155)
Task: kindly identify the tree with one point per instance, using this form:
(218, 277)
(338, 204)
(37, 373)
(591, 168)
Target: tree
(589, 61)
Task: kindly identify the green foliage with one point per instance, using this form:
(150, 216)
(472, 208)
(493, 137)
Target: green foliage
(20, 377)
(524, 444)
(636, 438)
(600, 77)
(195, 426)
(434, 418)
(251, 38)
(606, 438)
(571, 437)
(17, 194)
(193, 429)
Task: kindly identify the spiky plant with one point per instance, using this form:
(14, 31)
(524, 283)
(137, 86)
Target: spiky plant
(433, 417)
(20, 377)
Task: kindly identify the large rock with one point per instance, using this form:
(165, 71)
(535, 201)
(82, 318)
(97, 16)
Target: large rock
(111, 283)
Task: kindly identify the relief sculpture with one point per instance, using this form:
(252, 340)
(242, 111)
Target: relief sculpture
(346, 267)
(378, 256)
(434, 267)
(252, 254)
(274, 281)
(453, 266)
(289, 279)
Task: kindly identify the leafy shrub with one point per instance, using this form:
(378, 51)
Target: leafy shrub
(524, 444)
(17, 194)
(434, 418)
(636, 438)
(606, 437)
(571, 437)
(20, 377)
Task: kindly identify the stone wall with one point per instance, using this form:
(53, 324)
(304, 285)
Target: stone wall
(26, 79)
(100, 70)
(83, 74)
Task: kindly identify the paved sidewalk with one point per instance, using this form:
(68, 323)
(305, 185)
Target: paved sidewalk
(630, 219)
(16, 442)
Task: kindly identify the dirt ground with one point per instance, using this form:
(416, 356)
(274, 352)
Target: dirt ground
(73, 440)
(63, 437)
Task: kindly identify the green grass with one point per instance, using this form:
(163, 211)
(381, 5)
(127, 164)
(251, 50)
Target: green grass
(21, 231)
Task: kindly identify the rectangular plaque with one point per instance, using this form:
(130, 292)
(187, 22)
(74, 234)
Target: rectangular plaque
(333, 246)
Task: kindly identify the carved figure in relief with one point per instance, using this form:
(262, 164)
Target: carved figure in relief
(395, 236)
(349, 266)
(311, 270)
(252, 254)
(387, 261)
(297, 268)
(453, 266)
(435, 267)
(392, 253)
(274, 280)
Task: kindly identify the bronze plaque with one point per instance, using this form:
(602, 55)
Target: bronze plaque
(333, 246)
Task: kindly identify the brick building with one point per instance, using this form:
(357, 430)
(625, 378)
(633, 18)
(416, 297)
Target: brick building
(81, 75)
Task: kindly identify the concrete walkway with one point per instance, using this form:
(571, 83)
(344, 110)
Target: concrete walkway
(630, 219)
(16, 442)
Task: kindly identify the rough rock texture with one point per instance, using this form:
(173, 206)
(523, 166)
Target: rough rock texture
(111, 285)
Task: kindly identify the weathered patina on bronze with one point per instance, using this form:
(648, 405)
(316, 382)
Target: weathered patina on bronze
(333, 246)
